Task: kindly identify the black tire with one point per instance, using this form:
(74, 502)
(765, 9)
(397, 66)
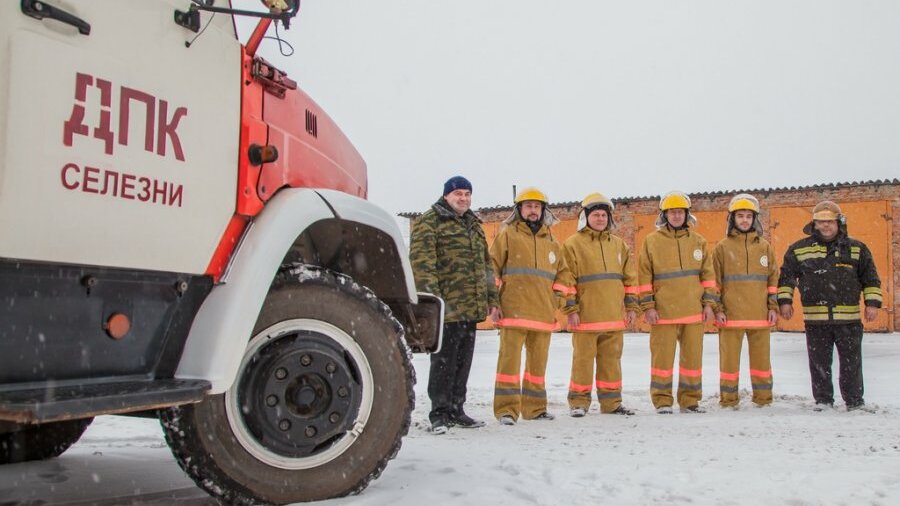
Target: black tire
(236, 445)
(39, 442)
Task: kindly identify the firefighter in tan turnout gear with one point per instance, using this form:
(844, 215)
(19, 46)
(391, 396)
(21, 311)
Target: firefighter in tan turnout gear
(747, 278)
(678, 292)
(604, 277)
(531, 268)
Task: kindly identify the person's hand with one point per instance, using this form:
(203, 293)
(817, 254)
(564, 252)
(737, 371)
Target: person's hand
(787, 311)
(708, 314)
(651, 316)
(773, 317)
(630, 318)
(573, 320)
(871, 313)
(495, 314)
(721, 318)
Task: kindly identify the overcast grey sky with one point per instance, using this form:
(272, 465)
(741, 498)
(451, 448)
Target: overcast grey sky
(628, 98)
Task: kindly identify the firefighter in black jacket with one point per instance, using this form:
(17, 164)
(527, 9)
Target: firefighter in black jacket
(831, 270)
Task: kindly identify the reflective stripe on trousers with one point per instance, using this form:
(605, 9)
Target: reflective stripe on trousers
(605, 350)
(528, 398)
(663, 339)
(730, 341)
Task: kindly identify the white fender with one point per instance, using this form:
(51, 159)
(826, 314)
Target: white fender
(222, 327)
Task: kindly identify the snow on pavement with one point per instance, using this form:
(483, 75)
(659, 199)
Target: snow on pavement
(783, 454)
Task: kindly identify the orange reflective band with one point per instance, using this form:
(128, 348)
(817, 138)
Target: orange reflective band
(761, 374)
(690, 373)
(745, 324)
(564, 289)
(508, 378)
(708, 284)
(537, 380)
(662, 373)
(730, 376)
(610, 385)
(697, 318)
(633, 289)
(527, 324)
(581, 327)
(645, 288)
(772, 289)
(575, 387)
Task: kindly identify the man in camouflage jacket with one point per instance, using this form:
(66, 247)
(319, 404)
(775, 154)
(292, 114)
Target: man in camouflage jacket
(450, 259)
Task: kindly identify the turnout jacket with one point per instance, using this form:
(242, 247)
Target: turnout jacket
(449, 257)
(605, 278)
(830, 276)
(676, 276)
(530, 268)
(747, 278)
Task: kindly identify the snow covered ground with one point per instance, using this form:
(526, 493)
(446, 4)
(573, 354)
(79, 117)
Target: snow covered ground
(783, 454)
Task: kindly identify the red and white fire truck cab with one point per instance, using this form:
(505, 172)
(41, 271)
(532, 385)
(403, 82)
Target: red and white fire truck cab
(184, 234)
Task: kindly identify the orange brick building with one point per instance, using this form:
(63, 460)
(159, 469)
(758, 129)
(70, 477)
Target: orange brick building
(872, 209)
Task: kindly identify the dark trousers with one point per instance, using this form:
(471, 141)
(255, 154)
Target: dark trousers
(450, 371)
(820, 343)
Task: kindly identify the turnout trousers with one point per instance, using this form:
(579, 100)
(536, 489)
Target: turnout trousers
(663, 339)
(604, 348)
(730, 341)
(820, 343)
(515, 394)
(449, 371)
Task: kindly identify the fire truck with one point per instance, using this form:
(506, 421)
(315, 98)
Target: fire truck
(184, 234)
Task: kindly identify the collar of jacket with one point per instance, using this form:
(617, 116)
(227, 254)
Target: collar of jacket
(445, 212)
(594, 235)
(751, 234)
(522, 228)
(839, 239)
(679, 232)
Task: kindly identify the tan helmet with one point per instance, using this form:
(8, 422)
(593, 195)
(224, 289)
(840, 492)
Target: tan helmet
(674, 200)
(743, 202)
(594, 201)
(597, 199)
(531, 194)
(827, 210)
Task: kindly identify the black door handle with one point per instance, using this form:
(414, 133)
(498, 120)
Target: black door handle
(40, 10)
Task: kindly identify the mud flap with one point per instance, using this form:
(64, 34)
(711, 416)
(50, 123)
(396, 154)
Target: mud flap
(423, 323)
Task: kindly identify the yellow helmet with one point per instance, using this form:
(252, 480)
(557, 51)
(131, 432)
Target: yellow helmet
(674, 200)
(531, 194)
(597, 199)
(827, 210)
(743, 202)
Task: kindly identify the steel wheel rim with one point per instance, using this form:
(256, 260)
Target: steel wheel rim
(269, 335)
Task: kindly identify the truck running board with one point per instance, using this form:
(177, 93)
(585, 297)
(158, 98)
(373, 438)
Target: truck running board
(56, 402)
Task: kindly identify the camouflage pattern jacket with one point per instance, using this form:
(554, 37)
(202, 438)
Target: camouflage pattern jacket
(450, 259)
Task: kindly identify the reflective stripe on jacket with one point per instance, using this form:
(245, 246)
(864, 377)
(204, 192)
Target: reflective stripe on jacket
(530, 268)
(676, 275)
(747, 277)
(604, 276)
(831, 277)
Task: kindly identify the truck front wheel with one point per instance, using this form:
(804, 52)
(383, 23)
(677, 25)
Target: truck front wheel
(322, 398)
